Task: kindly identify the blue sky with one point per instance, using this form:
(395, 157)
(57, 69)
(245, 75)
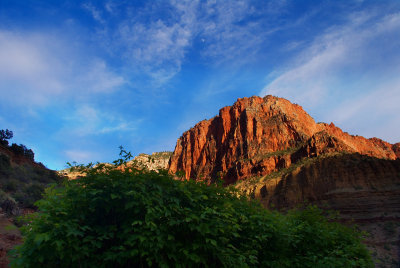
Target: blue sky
(80, 78)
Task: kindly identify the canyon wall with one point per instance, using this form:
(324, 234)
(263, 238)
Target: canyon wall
(257, 136)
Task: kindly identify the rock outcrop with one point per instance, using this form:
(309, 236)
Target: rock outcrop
(155, 161)
(257, 136)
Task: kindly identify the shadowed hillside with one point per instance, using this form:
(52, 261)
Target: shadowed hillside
(22, 183)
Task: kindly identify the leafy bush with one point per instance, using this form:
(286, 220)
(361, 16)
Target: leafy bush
(131, 218)
(29, 194)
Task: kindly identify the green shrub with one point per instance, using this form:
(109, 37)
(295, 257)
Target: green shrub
(113, 218)
(29, 194)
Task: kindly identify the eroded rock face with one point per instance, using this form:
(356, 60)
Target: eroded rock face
(362, 189)
(155, 161)
(257, 136)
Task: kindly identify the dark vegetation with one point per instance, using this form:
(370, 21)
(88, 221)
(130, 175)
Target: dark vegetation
(132, 218)
(19, 150)
(22, 180)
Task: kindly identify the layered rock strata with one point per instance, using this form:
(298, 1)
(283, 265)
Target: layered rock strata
(257, 136)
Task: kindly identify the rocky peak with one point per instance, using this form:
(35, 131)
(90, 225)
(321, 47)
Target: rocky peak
(256, 136)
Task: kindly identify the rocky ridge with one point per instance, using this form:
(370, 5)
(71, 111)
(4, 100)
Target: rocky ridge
(257, 136)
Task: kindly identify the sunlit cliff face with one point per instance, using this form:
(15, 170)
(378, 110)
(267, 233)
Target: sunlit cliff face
(256, 136)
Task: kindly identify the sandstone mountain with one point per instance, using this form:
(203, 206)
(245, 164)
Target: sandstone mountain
(257, 136)
(274, 151)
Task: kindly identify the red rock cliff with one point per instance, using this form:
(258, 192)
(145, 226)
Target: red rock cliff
(257, 136)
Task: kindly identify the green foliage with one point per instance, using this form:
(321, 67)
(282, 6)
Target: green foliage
(131, 218)
(180, 174)
(30, 194)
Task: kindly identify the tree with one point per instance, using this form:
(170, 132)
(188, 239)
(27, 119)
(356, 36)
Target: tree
(130, 218)
(5, 135)
(18, 149)
(29, 154)
(22, 150)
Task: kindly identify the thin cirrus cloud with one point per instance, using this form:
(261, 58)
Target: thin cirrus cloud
(86, 124)
(96, 14)
(233, 30)
(87, 120)
(159, 49)
(27, 68)
(346, 70)
(37, 68)
(154, 48)
(157, 45)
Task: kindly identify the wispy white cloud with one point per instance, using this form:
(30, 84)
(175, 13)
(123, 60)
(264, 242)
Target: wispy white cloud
(87, 120)
(157, 45)
(96, 13)
(229, 32)
(374, 114)
(350, 67)
(85, 125)
(157, 48)
(27, 71)
(37, 68)
(98, 78)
